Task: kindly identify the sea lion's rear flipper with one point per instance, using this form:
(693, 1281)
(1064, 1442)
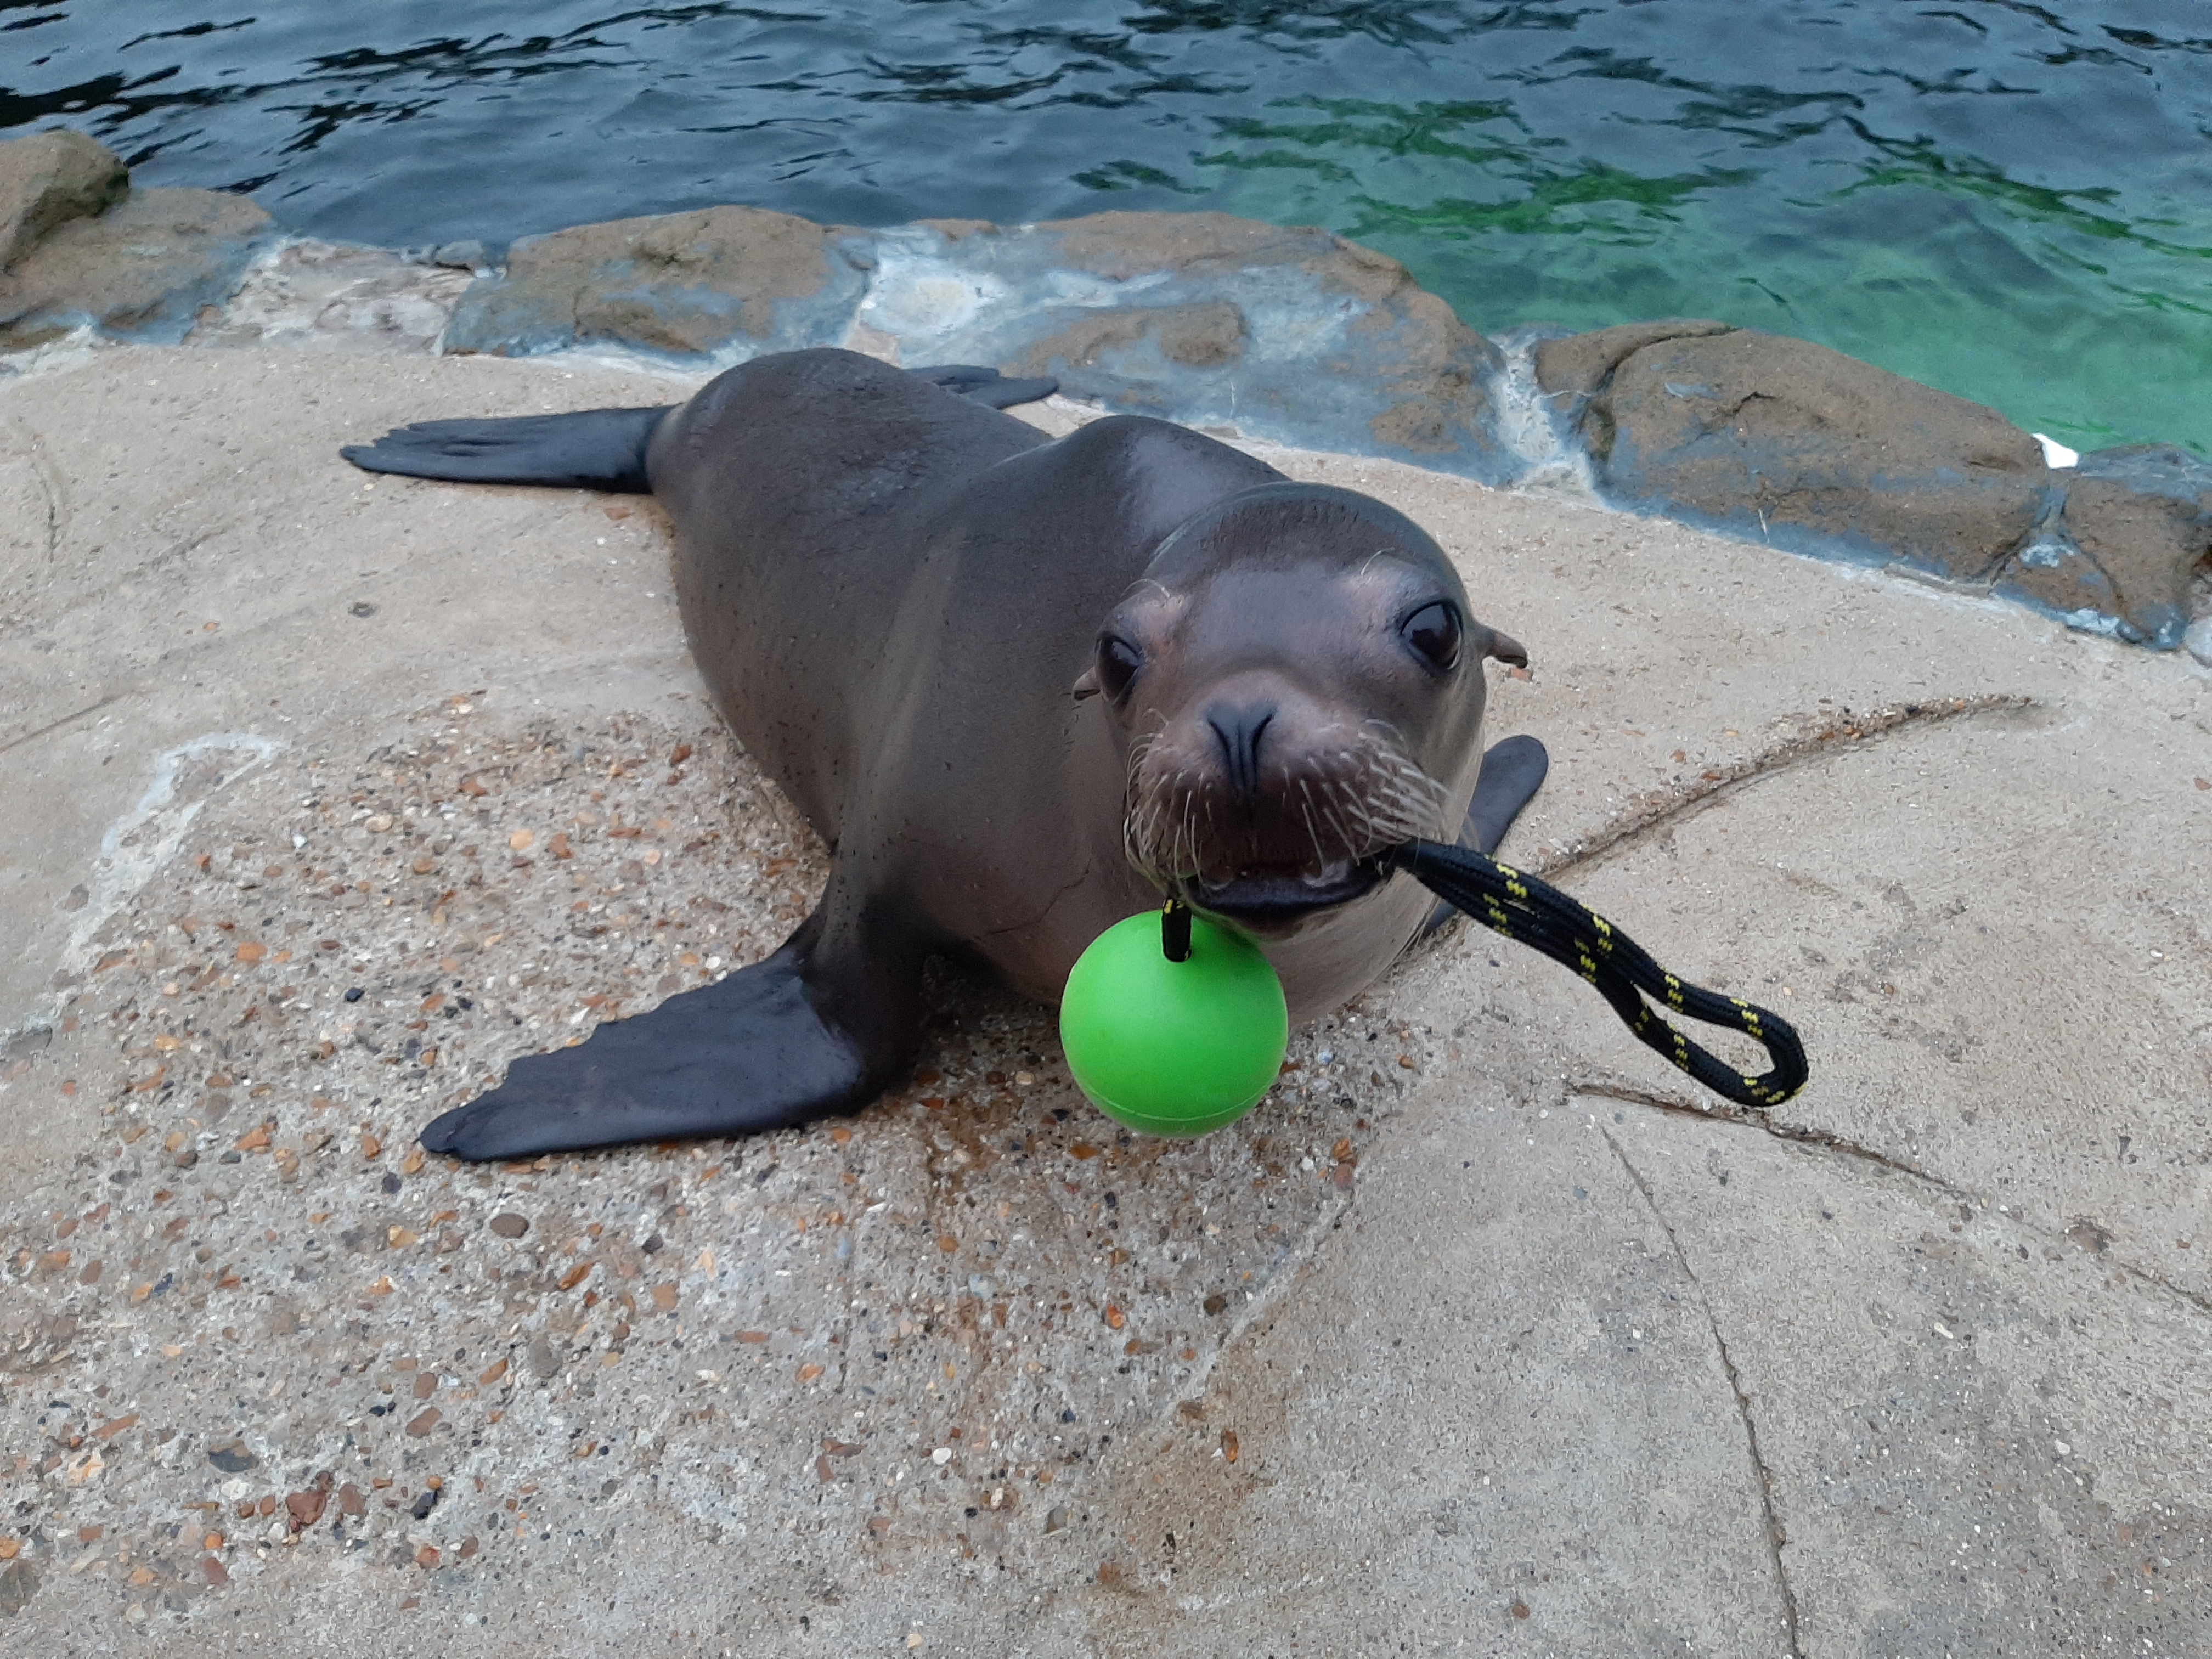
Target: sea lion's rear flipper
(1512, 772)
(599, 448)
(589, 449)
(820, 1028)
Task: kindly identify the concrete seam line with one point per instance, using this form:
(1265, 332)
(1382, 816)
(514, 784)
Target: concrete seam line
(1797, 1134)
(1776, 1535)
(1289, 1265)
(52, 726)
(1788, 753)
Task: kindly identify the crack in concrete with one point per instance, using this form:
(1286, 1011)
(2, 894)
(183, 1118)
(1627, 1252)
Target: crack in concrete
(1814, 743)
(1826, 1140)
(1777, 1535)
(51, 727)
(50, 485)
(53, 506)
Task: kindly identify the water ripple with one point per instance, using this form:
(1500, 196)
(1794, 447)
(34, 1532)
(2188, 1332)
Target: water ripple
(2009, 199)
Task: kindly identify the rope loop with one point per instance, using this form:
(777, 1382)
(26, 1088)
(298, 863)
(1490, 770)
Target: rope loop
(1538, 915)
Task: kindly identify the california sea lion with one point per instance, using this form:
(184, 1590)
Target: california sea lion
(1022, 688)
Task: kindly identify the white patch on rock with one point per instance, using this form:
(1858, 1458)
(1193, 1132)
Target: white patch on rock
(339, 297)
(917, 296)
(2089, 620)
(57, 355)
(1088, 287)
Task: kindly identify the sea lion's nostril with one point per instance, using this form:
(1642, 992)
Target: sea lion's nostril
(1238, 728)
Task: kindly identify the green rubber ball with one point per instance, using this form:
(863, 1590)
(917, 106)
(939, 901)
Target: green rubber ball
(1173, 1047)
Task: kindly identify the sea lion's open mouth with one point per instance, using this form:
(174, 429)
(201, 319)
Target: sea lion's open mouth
(1263, 898)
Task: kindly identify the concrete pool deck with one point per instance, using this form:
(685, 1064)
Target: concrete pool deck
(1482, 1334)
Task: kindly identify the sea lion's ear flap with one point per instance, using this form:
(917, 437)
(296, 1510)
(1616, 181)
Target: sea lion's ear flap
(1503, 646)
(1086, 683)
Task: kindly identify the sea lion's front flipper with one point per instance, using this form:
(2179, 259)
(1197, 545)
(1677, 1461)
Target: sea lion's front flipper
(1512, 772)
(819, 1028)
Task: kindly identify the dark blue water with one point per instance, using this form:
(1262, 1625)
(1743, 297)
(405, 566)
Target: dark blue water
(2009, 200)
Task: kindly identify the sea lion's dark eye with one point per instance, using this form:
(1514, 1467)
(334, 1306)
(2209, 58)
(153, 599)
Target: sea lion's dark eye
(1433, 631)
(1118, 663)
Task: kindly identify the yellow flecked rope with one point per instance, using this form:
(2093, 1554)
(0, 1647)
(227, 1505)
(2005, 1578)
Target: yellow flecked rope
(1539, 916)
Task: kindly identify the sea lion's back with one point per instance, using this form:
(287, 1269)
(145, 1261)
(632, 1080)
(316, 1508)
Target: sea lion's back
(799, 485)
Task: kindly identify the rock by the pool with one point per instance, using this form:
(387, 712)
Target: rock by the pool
(1296, 336)
(2139, 521)
(1787, 442)
(730, 281)
(1290, 334)
(48, 180)
(144, 271)
(1575, 366)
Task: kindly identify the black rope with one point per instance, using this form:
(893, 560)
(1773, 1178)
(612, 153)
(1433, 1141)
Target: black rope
(1539, 914)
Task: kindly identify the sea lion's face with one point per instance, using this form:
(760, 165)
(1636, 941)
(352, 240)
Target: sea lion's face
(1297, 684)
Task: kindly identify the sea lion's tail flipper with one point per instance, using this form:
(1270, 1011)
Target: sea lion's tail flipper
(589, 449)
(820, 1028)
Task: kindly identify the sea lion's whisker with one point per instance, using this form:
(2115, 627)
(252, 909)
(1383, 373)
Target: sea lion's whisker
(1164, 831)
(1410, 806)
(1359, 805)
(1305, 807)
(1336, 820)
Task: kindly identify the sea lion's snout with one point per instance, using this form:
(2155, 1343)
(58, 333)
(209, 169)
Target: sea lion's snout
(1239, 729)
(1266, 802)
(1297, 684)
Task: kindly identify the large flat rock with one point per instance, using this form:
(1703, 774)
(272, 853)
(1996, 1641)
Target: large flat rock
(1480, 1331)
(735, 280)
(1763, 434)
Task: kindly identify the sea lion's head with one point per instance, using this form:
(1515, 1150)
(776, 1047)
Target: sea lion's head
(1297, 684)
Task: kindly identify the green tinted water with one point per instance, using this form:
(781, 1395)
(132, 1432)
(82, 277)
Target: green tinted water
(2085, 313)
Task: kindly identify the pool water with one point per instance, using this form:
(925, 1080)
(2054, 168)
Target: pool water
(2012, 201)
